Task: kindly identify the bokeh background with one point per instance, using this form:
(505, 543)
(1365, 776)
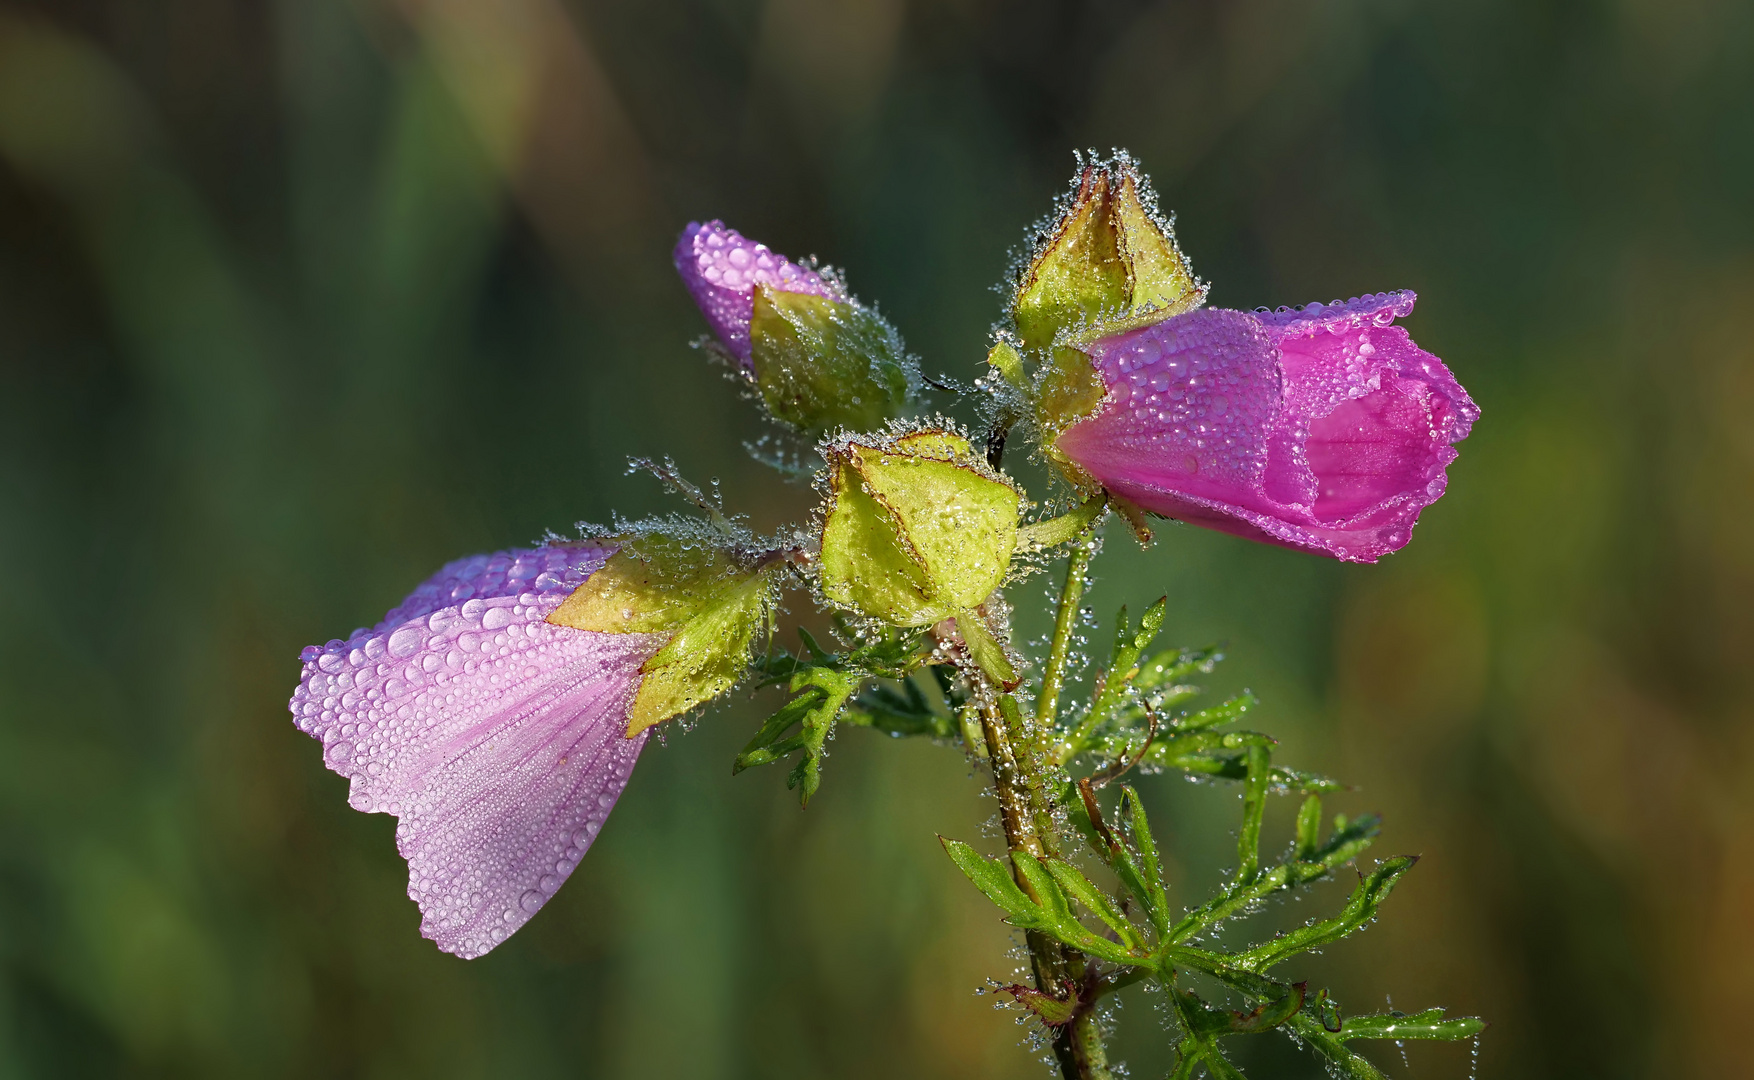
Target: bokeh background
(299, 300)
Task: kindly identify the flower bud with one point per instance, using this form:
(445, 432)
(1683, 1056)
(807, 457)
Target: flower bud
(824, 364)
(819, 359)
(1109, 264)
(1324, 428)
(708, 600)
(918, 529)
(1109, 256)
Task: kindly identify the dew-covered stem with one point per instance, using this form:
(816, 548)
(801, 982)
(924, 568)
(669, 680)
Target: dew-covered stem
(1065, 620)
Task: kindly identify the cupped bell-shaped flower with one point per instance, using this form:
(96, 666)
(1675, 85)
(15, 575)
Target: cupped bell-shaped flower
(819, 359)
(1323, 428)
(497, 738)
(498, 711)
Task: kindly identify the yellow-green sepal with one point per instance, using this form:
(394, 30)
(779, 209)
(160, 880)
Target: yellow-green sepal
(1110, 264)
(709, 600)
(707, 657)
(1077, 273)
(917, 528)
(822, 364)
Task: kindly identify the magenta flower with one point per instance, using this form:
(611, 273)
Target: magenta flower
(721, 269)
(1323, 428)
(496, 738)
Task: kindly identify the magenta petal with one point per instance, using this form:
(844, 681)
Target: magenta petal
(1190, 402)
(494, 737)
(1342, 462)
(721, 269)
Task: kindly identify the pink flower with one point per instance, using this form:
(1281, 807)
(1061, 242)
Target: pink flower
(496, 738)
(721, 269)
(1323, 428)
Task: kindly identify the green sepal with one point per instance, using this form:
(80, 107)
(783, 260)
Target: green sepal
(1108, 264)
(708, 599)
(918, 529)
(704, 659)
(823, 364)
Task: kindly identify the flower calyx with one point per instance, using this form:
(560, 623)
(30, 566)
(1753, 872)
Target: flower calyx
(917, 527)
(707, 595)
(1108, 263)
(822, 364)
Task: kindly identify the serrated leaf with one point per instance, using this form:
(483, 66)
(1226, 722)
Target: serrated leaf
(1058, 919)
(821, 693)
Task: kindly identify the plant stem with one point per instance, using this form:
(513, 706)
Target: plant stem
(1025, 813)
(1021, 767)
(1065, 620)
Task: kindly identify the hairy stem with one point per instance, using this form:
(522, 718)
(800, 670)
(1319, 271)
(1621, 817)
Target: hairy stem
(1021, 779)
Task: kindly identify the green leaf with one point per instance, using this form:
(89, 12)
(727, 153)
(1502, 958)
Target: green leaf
(1079, 888)
(1360, 908)
(1152, 895)
(1058, 919)
(992, 878)
(900, 708)
(820, 695)
(1309, 828)
(1254, 805)
(1174, 665)
(985, 650)
(1218, 715)
(1429, 1024)
(1343, 1060)
(1348, 840)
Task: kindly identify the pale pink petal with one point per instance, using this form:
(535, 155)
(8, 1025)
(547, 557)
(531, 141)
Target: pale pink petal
(494, 737)
(721, 269)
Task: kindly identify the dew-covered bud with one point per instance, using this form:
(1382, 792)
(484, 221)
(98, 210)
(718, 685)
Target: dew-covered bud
(1324, 428)
(706, 598)
(819, 359)
(1108, 263)
(917, 529)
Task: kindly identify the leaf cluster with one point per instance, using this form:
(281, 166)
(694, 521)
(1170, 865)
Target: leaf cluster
(1133, 932)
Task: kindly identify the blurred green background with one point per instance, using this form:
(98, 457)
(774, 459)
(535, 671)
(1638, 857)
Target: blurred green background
(299, 300)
